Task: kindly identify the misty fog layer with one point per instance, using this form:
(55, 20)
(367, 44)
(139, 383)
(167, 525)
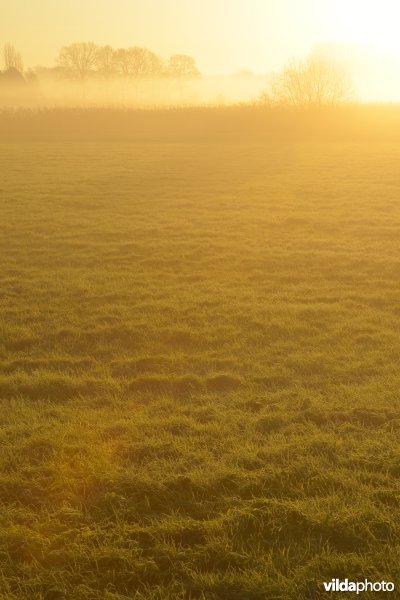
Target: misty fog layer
(146, 93)
(86, 75)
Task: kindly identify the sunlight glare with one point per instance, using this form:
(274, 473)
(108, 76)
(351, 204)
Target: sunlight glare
(367, 22)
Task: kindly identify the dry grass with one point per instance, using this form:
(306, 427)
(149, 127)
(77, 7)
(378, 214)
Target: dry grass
(245, 123)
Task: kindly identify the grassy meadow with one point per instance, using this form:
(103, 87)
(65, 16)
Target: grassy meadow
(199, 368)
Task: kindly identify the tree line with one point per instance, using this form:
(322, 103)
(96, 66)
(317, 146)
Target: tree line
(317, 80)
(83, 60)
(86, 59)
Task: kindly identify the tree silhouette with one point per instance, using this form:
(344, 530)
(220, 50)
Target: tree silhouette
(12, 58)
(84, 59)
(78, 60)
(138, 62)
(182, 66)
(316, 81)
(105, 60)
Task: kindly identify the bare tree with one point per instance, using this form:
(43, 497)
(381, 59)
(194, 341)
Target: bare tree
(146, 63)
(182, 66)
(316, 81)
(78, 60)
(105, 60)
(121, 61)
(138, 62)
(13, 58)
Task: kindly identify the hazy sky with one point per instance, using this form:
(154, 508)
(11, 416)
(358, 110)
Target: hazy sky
(222, 35)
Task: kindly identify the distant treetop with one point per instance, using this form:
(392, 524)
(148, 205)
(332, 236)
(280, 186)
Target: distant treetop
(85, 59)
(181, 65)
(12, 58)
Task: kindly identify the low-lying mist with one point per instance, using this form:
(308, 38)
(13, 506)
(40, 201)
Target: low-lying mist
(140, 93)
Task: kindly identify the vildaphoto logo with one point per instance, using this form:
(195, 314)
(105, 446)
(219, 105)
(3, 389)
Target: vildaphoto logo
(358, 587)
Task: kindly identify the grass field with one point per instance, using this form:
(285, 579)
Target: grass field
(199, 369)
